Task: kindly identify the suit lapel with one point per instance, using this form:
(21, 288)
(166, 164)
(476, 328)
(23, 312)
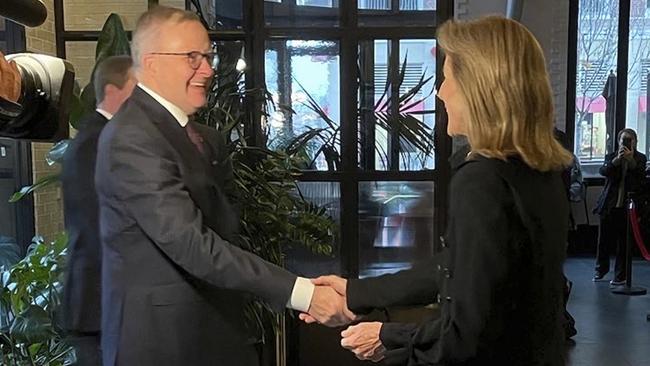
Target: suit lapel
(193, 166)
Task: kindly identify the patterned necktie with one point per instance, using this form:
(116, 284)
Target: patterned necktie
(195, 137)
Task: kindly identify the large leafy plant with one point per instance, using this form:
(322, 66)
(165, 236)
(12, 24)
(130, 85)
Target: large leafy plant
(412, 133)
(30, 330)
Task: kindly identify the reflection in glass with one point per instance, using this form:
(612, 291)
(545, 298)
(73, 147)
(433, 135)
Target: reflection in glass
(220, 14)
(397, 105)
(395, 225)
(303, 262)
(303, 78)
(305, 13)
(638, 71)
(597, 53)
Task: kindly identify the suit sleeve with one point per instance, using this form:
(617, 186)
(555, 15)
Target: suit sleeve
(146, 179)
(481, 202)
(416, 286)
(608, 169)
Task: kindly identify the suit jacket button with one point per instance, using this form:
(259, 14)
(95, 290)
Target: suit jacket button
(439, 268)
(438, 299)
(447, 273)
(448, 298)
(443, 242)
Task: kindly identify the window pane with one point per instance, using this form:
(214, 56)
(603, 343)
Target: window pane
(221, 14)
(399, 137)
(305, 13)
(82, 57)
(638, 70)
(395, 225)
(597, 52)
(303, 78)
(417, 4)
(86, 15)
(304, 262)
(392, 12)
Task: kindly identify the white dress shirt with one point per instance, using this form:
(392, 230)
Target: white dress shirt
(106, 115)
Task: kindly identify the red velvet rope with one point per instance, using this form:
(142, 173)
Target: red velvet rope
(634, 221)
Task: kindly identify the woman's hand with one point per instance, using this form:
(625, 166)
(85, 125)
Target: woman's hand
(363, 340)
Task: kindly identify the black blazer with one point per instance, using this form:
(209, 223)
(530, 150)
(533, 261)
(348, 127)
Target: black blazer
(498, 280)
(81, 291)
(172, 287)
(634, 180)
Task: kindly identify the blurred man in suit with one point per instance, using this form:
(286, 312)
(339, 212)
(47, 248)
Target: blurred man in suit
(113, 81)
(172, 287)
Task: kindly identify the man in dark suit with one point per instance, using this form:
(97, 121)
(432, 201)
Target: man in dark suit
(624, 172)
(114, 82)
(172, 287)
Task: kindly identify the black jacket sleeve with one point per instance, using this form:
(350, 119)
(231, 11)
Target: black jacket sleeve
(415, 286)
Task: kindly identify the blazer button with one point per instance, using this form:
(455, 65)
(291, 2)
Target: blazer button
(448, 298)
(439, 268)
(438, 299)
(443, 242)
(447, 273)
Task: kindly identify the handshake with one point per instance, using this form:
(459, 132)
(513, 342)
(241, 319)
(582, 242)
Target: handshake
(329, 307)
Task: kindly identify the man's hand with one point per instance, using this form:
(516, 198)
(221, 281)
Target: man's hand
(627, 153)
(10, 80)
(339, 284)
(327, 307)
(363, 340)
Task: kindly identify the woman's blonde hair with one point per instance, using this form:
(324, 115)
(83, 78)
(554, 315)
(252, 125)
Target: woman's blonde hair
(500, 70)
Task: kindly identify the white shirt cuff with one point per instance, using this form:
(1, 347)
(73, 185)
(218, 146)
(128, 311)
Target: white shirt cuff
(301, 295)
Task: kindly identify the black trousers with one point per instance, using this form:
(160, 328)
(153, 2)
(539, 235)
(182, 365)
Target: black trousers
(613, 233)
(87, 348)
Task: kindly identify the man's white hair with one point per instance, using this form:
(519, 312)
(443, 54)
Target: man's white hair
(148, 26)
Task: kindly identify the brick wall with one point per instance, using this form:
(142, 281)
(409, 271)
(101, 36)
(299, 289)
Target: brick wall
(173, 3)
(91, 14)
(48, 206)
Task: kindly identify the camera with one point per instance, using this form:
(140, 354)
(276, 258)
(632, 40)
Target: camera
(42, 111)
(627, 142)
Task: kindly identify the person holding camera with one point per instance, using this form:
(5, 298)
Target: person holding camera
(624, 171)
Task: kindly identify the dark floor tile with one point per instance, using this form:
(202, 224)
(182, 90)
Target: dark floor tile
(612, 329)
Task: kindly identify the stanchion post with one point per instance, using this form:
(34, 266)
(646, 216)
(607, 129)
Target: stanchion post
(628, 289)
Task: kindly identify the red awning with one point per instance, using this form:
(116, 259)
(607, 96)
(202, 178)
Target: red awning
(595, 105)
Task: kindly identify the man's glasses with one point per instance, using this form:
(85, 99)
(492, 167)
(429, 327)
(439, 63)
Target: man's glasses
(195, 58)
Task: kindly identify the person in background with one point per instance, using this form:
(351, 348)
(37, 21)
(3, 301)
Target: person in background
(624, 172)
(113, 81)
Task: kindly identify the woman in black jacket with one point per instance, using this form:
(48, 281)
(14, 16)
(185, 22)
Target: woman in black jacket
(499, 279)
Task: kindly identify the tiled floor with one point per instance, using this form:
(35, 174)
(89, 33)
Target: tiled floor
(612, 329)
